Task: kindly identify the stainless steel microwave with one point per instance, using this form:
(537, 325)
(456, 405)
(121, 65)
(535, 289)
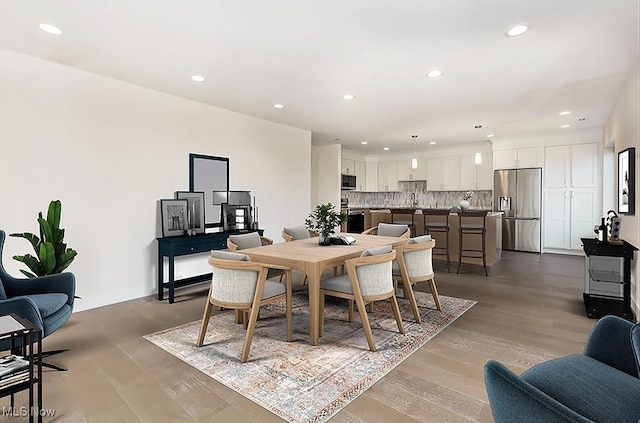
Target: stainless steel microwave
(348, 181)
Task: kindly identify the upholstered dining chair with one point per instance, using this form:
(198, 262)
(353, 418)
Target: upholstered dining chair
(368, 279)
(413, 265)
(45, 301)
(240, 284)
(297, 232)
(250, 240)
(389, 229)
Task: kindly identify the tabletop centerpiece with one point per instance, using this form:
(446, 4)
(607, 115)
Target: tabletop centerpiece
(464, 203)
(324, 219)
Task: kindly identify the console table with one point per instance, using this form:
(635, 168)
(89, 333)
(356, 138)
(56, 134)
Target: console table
(607, 286)
(174, 246)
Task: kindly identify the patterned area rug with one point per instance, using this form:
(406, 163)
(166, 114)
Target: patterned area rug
(299, 382)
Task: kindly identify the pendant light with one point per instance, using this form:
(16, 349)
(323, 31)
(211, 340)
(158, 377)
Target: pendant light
(478, 156)
(414, 160)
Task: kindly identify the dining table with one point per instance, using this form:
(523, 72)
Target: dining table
(313, 259)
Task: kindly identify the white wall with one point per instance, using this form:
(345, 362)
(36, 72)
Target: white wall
(623, 128)
(325, 180)
(109, 150)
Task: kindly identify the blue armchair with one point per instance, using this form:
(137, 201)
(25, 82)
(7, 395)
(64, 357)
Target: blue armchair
(46, 301)
(601, 385)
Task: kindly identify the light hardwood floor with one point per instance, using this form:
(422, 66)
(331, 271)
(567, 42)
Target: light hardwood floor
(529, 310)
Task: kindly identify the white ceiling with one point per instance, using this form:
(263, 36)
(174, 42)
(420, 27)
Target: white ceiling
(306, 54)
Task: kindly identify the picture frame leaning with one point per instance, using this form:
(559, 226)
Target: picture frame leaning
(627, 180)
(195, 210)
(173, 214)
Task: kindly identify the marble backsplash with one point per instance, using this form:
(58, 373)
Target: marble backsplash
(482, 199)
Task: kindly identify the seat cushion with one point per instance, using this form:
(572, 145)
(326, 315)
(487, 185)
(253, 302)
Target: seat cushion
(387, 229)
(250, 240)
(298, 232)
(383, 249)
(340, 283)
(592, 389)
(47, 304)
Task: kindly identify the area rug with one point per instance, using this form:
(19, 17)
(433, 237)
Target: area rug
(299, 382)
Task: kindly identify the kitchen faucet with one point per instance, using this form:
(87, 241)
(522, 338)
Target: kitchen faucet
(413, 199)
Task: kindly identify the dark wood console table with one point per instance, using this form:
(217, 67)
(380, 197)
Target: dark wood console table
(174, 246)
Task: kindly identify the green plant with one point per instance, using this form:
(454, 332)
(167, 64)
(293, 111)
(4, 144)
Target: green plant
(467, 195)
(324, 219)
(52, 254)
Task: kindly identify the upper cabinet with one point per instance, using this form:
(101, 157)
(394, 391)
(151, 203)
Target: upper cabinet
(406, 173)
(518, 157)
(473, 176)
(388, 176)
(348, 167)
(571, 166)
(443, 173)
(361, 175)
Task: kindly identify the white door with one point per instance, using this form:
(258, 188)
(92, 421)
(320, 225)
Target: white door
(583, 216)
(556, 167)
(557, 213)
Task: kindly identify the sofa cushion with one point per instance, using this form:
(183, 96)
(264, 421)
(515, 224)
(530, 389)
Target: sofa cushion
(47, 304)
(592, 389)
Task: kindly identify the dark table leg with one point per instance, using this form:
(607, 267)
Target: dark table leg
(171, 279)
(160, 277)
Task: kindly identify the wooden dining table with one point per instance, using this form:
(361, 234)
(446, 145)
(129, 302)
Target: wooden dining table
(312, 259)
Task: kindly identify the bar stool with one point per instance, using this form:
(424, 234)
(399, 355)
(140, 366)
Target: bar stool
(433, 225)
(410, 223)
(469, 225)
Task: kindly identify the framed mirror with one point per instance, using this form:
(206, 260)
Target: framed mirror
(209, 174)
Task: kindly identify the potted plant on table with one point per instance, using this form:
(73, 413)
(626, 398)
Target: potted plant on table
(464, 204)
(324, 219)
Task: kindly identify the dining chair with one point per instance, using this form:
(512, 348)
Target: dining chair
(368, 279)
(389, 229)
(399, 217)
(249, 240)
(413, 265)
(240, 284)
(297, 232)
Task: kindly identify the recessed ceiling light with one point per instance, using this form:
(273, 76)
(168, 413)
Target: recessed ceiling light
(337, 139)
(50, 29)
(278, 106)
(564, 126)
(478, 126)
(582, 119)
(517, 30)
(364, 143)
(566, 112)
(386, 149)
(348, 97)
(432, 142)
(197, 78)
(435, 73)
(490, 135)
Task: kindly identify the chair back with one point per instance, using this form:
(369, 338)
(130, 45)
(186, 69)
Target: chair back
(234, 278)
(390, 229)
(473, 220)
(416, 257)
(372, 270)
(295, 232)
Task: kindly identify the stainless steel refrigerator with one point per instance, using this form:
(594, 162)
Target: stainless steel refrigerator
(518, 193)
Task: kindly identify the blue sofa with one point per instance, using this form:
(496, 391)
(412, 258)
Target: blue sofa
(601, 385)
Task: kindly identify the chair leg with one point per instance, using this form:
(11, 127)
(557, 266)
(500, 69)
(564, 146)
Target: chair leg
(459, 251)
(289, 311)
(371, 307)
(350, 311)
(396, 313)
(365, 324)
(484, 253)
(407, 290)
(446, 234)
(253, 318)
(205, 322)
(321, 322)
(434, 292)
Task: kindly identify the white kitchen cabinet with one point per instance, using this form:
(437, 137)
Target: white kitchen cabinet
(571, 166)
(348, 167)
(434, 174)
(406, 173)
(451, 173)
(569, 214)
(360, 169)
(518, 158)
(388, 176)
(484, 173)
(467, 172)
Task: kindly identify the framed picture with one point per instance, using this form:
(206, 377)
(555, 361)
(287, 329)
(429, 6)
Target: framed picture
(174, 217)
(236, 217)
(195, 209)
(627, 181)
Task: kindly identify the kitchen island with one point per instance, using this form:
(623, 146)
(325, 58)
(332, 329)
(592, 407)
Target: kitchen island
(493, 237)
